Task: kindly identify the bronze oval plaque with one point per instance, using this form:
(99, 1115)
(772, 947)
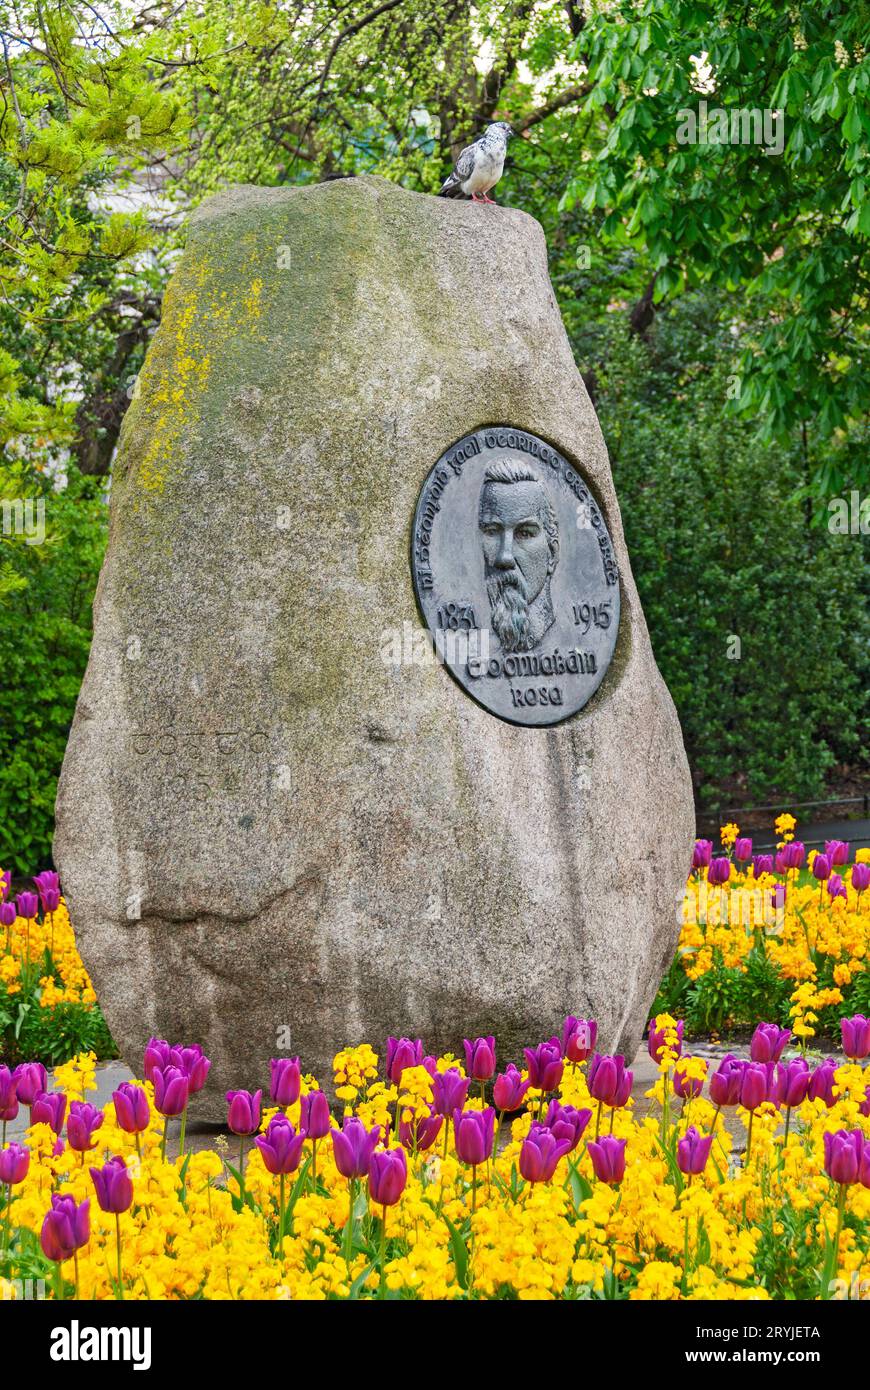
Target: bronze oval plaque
(515, 575)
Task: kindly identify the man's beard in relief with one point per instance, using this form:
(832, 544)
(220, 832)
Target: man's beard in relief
(509, 604)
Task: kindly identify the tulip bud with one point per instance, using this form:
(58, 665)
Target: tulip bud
(608, 1158)
(65, 1228)
(114, 1186)
(545, 1065)
(541, 1152)
(473, 1132)
(286, 1080)
(14, 1164)
(480, 1058)
(243, 1111)
(509, 1090)
(132, 1112)
(280, 1146)
(353, 1146)
(855, 1034)
(388, 1174)
(314, 1116)
(579, 1036)
(693, 1151)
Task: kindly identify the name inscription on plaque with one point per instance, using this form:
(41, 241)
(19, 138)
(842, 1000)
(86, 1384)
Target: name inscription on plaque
(515, 575)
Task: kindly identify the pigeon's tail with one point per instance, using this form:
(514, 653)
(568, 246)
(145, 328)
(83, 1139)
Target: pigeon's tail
(451, 188)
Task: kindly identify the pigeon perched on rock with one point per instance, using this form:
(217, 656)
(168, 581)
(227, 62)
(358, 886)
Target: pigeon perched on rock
(479, 166)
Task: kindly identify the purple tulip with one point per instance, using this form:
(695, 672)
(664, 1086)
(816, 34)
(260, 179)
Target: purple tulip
(693, 1151)
(860, 877)
(280, 1146)
(762, 864)
(30, 1079)
(844, 1155)
(794, 854)
(855, 1033)
(353, 1146)
(579, 1036)
(171, 1091)
(192, 1061)
(779, 861)
(84, 1121)
(114, 1186)
(656, 1039)
(821, 867)
(314, 1116)
(687, 1087)
(725, 1081)
(473, 1132)
(821, 1085)
(756, 1082)
(8, 1095)
(243, 1111)
(608, 1158)
(480, 1058)
(768, 1042)
(8, 913)
(837, 851)
(28, 905)
(49, 1108)
(719, 871)
(742, 849)
(402, 1053)
(836, 887)
(449, 1091)
(864, 1107)
(792, 1082)
(132, 1112)
(420, 1132)
(702, 854)
(607, 1080)
(66, 1228)
(286, 1080)
(509, 1090)
(545, 1065)
(50, 900)
(566, 1122)
(47, 881)
(14, 1163)
(388, 1174)
(541, 1152)
(158, 1056)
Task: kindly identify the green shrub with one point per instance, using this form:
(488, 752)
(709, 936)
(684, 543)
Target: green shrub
(45, 633)
(723, 547)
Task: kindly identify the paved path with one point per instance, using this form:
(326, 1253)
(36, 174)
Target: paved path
(855, 832)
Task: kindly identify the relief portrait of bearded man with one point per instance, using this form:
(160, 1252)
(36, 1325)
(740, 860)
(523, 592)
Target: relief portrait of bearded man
(520, 540)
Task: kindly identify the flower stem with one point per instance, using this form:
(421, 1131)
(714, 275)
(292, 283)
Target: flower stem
(382, 1287)
(118, 1246)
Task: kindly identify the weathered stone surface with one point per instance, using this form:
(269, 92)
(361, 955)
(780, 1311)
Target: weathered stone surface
(261, 825)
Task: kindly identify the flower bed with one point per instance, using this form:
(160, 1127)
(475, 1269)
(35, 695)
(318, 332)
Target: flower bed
(783, 935)
(583, 1199)
(48, 1009)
